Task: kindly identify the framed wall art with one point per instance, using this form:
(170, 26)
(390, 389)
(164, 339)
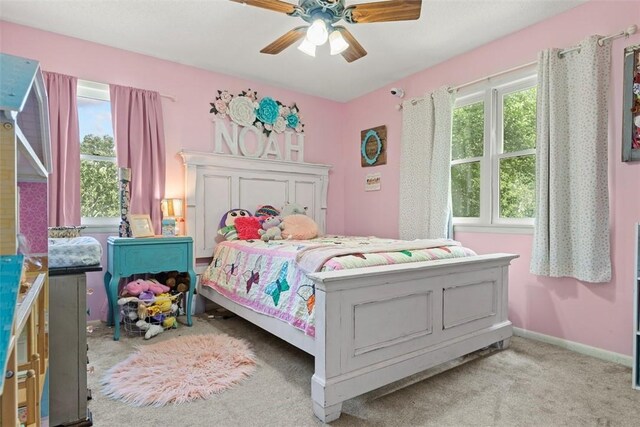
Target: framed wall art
(373, 146)
(141, 226)
(631, 107)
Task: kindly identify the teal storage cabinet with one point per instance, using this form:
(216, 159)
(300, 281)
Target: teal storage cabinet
(129, 255)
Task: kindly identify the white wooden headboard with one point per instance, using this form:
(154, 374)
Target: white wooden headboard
(217, 183)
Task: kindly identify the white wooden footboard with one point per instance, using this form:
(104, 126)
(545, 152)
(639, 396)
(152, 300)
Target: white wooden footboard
(381, 324)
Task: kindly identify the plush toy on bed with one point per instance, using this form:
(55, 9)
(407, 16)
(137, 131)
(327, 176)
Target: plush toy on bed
(247, 227)
(293, 209)
(299, 227)
(271, 229)
(296, 224)
(227, 229)
(267, 210)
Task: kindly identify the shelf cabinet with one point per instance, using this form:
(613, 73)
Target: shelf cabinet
(25, 164)
(636, 311)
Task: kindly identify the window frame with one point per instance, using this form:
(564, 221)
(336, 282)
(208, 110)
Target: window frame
(99, 92)
(492, 92)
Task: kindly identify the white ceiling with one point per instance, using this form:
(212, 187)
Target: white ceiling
(226, 37)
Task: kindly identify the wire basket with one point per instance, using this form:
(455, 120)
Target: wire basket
(130, 315)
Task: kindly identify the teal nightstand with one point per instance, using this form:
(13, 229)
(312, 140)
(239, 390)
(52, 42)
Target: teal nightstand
(127, 256)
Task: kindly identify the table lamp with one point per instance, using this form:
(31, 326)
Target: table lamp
(172, 208)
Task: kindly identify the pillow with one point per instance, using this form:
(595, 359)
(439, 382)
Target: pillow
(247, 227)
(299, 227)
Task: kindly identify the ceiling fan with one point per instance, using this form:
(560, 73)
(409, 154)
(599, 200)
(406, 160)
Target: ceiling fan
(323, 14)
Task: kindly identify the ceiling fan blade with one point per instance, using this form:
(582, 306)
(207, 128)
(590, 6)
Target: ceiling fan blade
(276, 5)
(286, 40)
(383, 11)
(355, 50)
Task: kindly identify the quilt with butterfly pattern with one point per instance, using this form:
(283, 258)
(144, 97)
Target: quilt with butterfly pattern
(269, 277)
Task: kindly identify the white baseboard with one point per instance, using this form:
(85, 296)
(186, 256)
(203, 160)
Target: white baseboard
(599, 353)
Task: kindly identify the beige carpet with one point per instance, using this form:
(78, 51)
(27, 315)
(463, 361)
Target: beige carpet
(531, 384)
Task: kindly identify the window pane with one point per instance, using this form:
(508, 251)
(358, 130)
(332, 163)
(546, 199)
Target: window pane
(468, 131)
(465, 189)
(98, 189)
(517, 187)
(520, 120)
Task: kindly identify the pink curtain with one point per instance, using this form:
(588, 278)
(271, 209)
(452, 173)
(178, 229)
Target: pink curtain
(139, 134)
(64, 182)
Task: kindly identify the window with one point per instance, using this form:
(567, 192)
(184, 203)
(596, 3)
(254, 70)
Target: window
(493, 153)
(99, 196)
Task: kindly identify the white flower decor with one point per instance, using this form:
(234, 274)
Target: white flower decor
(280, 125)
(241, 111)
(266, 114)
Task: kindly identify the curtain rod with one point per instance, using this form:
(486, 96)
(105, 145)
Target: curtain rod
(626, 33)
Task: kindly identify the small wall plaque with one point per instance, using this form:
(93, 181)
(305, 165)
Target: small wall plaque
(372, 182)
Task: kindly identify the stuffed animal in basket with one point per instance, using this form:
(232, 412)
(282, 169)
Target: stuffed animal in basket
(150, 330)
(271, 229)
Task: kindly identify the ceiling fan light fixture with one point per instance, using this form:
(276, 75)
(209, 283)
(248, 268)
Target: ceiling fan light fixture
(337, 42)
(307, 47)
(317, 32)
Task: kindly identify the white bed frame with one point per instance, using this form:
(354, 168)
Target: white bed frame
(373, 325)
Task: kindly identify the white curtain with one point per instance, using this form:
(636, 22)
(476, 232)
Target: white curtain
(571, 236)
(425, 167)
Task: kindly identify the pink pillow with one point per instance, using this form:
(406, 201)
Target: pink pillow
(299, 227)
(247, 227)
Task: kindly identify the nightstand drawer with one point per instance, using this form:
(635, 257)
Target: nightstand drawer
(153, 258)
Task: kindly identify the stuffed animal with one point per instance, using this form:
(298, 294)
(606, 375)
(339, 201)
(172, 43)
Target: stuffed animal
(157, 288)
(170, 322)
(130, 311)
(247, 227)
(293, 209)
(182, 282)
(151, 330)
(135, 287)
(226, 228)
(267, 210)
(299, 227)
(271, 229)
(139, 286)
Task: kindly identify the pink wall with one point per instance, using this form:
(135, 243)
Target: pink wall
(188, 123)
(596, 315)
(33, 215)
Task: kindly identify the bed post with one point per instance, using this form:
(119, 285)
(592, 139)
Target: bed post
(327, 406)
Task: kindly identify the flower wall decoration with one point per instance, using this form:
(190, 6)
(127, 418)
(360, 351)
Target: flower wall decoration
(266, 114)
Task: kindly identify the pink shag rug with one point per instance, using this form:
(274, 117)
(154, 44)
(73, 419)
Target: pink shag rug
(179, 370)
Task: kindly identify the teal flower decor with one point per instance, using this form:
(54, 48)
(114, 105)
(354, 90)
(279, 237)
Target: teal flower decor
(267, 111)
(292, 120)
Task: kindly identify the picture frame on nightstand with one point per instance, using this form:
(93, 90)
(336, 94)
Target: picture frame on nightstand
(141, 226)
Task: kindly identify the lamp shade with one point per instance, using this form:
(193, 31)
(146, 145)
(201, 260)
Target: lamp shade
(317, 32)
(307, 47)
(172, 208)
(337, 42)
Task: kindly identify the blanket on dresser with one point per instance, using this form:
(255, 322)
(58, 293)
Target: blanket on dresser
(270, 277)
